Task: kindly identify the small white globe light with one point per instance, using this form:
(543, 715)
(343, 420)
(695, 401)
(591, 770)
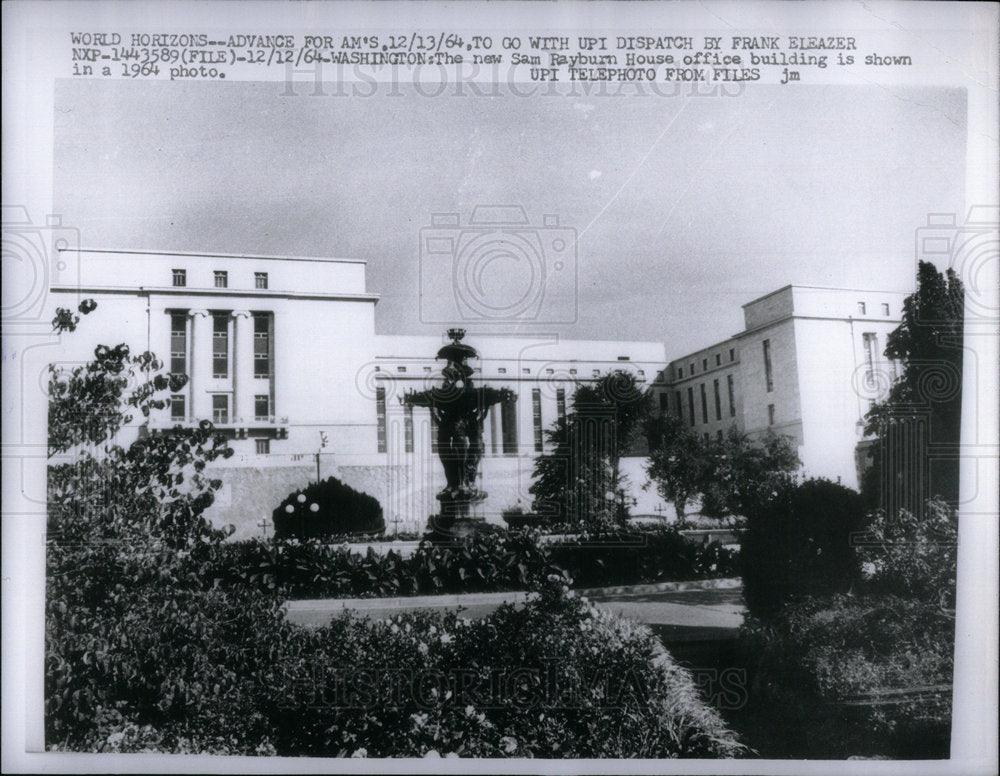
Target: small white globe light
(301, 498)
(289, 509)
(314, 507)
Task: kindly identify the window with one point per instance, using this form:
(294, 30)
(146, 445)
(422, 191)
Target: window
(549, 371)
(718, 400)
(180, 277)
(525, 371)
(718, 359)
(704, 404)
(494, 436)
(641, 372)
(221, 279)
(770, 414)
(731, 389)
(768, 376)
(885, 308)
(508, 423)
(380, 412)
(691, 405)
(664, 402)
(677, 403)
(870, 340)
(596, 373)
(572, 371)
(623, 358)
(861, 308)
(178, 343)
(178, 408)
(261, 345)
(536, 417)
(680, 372)
(691, 368)
(220, 345)
(260, 280)
(220, 408)
(502, 370)
(427, 369)
(408, 428)
(732, 354)
(704, 365)
(263, 446)
(401, 369)
(261, 407)
(561, 403)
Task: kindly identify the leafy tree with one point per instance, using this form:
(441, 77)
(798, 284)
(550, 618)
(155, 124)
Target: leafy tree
(679, 460)
(580, 479)
(924, 407)
(746, 473)
(154, 490)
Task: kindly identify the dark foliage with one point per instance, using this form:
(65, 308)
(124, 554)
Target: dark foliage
(800, 544)
(924, 405)
(327, 508)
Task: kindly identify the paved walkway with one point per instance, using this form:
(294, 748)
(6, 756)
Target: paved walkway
(706, 610)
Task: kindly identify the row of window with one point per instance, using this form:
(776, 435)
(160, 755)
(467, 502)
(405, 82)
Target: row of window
(863, 308)
(220, 407)
(221, 278)
(221, 350)
(704, 363)
(503, 370)
(505, 437)
(717, 401)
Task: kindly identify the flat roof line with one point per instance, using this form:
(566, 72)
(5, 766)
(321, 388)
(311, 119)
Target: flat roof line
(147, 252)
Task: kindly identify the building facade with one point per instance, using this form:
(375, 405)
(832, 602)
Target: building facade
(282, 356)
(808, 365)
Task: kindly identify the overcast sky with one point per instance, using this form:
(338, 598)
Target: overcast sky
(685, 207)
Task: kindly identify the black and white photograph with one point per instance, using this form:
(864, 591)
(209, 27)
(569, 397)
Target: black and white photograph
(524, 385)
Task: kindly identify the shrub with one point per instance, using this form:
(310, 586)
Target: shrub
(325, 508)
(800, 544)
(516, 517)
(170, 669)
(855, 676)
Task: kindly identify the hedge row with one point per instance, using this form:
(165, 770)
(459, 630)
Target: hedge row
(506, 560)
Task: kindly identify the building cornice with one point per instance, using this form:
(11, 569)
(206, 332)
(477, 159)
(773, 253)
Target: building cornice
(193, 254)
(223, 292)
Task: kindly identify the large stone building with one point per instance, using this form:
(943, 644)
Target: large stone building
(282, 354)
(808, 364)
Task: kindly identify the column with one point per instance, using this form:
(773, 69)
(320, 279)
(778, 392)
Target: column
(243, 401)
(200, 364)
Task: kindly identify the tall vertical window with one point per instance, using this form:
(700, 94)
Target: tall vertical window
(770, 414)
(380, 412)
(680, 372)
(262, 446)
(260, 280)
(494, 434)
(731, 390)
(508, 423)
(220, 345)
(691, 405)
(870, 340)
(862, 308)
(561, 402)
(180, 277)
(261, 406)
(221, 279)
(885, 308)
(178, 407)
(178, 343)
(718, 359)
(261, 345)
(664, 402)
(718, 400)
(704, 404)
(536, 417)
(704, 365)
(408, 428)
(691, 368)
(677, 404)
(220, 408)
(768, 376)
(732, 354)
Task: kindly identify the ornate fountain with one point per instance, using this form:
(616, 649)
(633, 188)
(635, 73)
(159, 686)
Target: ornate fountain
(459, 409)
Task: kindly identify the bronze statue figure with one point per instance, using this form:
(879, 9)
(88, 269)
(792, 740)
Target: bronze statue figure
(459, 409)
